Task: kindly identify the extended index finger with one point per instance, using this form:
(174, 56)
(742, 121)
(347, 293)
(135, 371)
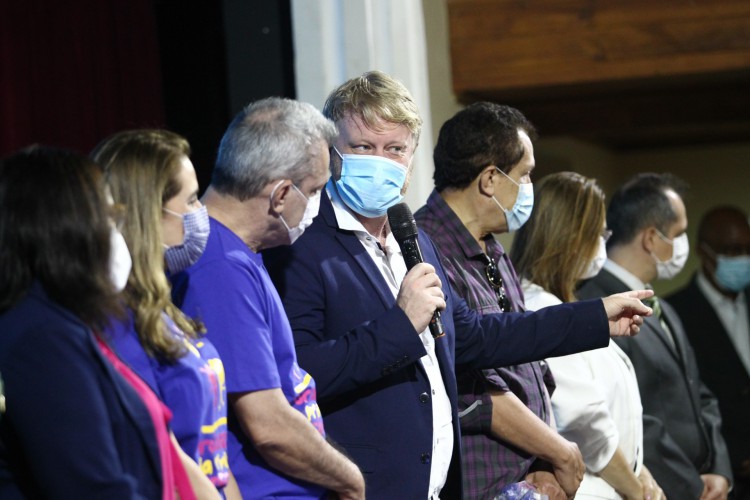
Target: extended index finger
(639, 294)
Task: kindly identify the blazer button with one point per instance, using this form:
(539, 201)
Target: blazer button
(424, 398)
(425, 458)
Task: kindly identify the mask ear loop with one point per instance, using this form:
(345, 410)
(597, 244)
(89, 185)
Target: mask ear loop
(505, 210)
(508, 177)
(273, 191)
(170, 212)
(708, 249)
(270, 198)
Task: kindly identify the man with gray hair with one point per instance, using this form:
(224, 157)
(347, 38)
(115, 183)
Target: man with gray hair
(271, 167)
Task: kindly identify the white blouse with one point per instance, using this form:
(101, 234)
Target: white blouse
(596, 404)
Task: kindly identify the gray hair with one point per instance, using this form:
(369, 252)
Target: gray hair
(274, 138)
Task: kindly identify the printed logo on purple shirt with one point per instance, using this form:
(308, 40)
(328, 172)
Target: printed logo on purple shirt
(305, 397)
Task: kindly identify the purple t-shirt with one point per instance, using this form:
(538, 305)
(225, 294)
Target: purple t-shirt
(230, 291)
(192, 387)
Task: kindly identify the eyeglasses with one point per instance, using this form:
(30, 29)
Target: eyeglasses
(496, 282)
(606, 234)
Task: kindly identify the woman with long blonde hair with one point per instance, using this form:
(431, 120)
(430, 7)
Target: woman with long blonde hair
(596, 402)
(166, 229)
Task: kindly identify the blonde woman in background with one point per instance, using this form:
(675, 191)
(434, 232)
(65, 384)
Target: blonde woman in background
(596, 403)
(166, 229)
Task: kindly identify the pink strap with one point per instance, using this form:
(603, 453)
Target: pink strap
(181, 480)
(174, 476)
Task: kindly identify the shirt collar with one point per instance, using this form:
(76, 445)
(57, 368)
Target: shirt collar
(631, 280)
(347, 221)
(344, 215)
(453, 226)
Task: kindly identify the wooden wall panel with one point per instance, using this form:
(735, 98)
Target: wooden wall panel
(516, 44)
(623, 73)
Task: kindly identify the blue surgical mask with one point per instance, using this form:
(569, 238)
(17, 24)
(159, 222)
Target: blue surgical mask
(197, 228)
(732, 271)
(369, 184)
(521, 211)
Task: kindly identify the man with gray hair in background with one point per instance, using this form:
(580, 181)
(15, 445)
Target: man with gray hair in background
(271, 167)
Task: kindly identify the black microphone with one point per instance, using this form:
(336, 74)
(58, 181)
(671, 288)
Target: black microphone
(404, 229)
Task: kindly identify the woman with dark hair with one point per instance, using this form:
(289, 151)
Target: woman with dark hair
(76, 424)
(596, 402)
(166, 229)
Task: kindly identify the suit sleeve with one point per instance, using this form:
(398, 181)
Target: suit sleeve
(505, 339)
(664, 458)
(712, 420)
(514, 338)
(54, 399)
(341, 351)
(666, 461)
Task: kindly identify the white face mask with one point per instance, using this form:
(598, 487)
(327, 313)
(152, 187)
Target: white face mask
(311, 210)
(120, 261)
(597, 262)
(669, 268)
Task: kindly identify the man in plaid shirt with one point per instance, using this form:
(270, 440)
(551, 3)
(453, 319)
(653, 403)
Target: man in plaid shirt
(483, 162)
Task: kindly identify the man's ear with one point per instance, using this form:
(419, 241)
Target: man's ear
(487, 180)
(648, 239)
(335, 163)
(279, 194)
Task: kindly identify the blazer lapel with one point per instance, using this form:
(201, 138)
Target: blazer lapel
(657, 330)
(351, 243)
(134, 408)
(611, 284)
(680, 338)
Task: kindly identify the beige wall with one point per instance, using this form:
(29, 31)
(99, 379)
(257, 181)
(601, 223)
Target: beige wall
(717, 174)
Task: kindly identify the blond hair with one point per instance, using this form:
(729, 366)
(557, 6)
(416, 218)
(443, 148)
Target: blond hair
(141, 168)
(374, 96)
(556, 245)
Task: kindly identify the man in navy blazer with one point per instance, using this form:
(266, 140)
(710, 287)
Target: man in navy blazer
(386, 387)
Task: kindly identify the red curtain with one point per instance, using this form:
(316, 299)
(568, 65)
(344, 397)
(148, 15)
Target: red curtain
(74, 71)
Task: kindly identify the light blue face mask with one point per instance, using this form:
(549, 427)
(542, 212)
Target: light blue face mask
(521, 211)
(732, 271)
(370, 185)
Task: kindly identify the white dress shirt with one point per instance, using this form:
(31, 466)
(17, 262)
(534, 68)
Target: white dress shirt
(733, 315)
(391, 264)
(596, 404)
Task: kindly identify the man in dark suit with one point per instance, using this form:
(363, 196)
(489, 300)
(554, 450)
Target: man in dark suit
(683, 446)
(386, 387)
(714, 309)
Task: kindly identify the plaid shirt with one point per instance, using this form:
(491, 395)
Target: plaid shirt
(488, 463)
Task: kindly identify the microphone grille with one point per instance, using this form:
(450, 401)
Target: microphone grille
(402, 222)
